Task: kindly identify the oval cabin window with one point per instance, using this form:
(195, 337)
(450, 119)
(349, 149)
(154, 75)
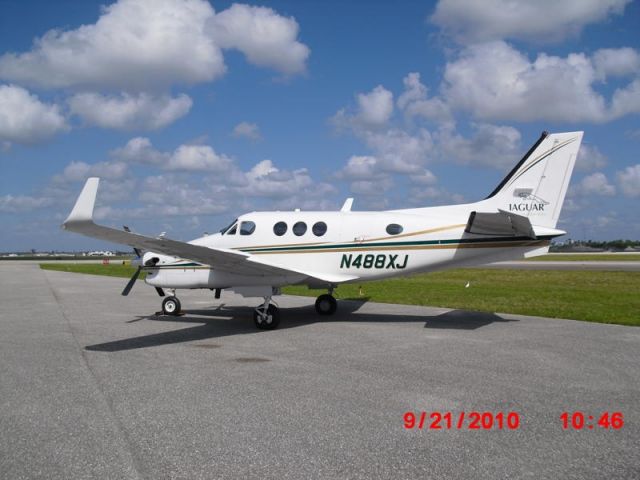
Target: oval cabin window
(319, 229)
(299, 228)
(394, 229)
(280, 228)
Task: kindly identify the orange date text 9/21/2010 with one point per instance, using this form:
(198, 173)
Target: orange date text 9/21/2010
(461, 420)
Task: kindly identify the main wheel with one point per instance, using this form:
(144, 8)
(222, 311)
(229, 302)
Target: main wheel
(268, 321)
(326, 305)
(171, 306)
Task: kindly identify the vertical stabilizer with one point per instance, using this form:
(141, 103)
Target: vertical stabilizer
(536, 187)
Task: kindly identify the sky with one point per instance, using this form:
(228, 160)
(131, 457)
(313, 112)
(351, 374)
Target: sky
(193, 112)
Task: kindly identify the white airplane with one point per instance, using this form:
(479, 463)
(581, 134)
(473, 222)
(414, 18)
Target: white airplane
(260, 252)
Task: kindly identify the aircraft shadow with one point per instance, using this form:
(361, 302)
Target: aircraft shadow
(221, 321)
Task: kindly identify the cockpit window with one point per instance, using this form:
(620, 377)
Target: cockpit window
(232, 230)
(247, 228)
(225, 229)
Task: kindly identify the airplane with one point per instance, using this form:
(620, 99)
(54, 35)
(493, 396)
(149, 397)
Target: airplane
(260, 252)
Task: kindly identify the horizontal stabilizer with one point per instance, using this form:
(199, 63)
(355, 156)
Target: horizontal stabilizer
(501, 224)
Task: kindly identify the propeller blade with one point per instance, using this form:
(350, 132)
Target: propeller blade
(129, 286)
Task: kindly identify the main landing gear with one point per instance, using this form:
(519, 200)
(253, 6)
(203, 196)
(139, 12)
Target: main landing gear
(267, 315)
(326, 304)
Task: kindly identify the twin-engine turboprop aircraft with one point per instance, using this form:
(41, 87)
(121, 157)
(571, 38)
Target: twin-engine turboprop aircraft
(262, 251)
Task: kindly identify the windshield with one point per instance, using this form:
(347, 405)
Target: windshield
(224, 230)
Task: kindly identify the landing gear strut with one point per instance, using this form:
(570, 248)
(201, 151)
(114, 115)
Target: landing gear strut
(267, 315)
(326, 304)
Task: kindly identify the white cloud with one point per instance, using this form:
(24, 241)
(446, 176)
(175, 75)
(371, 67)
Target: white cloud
(247, 130)
(22, 203)
(425, 177)
(374, 110)
(140, 150)
(25, 119)
(496, 81)
(266, 38)
(375, 107)
(432, 195)
(129, 112)
(629, 181)
(626, 100)
(399, 151)
(616, 62)
(198, 158)
(266, 180)
(360, 167)
(187, 157)
(490, 145)
(78, 171)
(541, 21)
(595, 184)
(414, 102)
(135, 44)
(374, 188)
(166, 195)
(590, 158)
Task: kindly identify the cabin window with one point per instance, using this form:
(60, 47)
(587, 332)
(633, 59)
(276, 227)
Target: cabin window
(394, 229)
(247, 228)
(280, 228)
(232, 230)
(319, 229)
(299, 228)
(228, 227)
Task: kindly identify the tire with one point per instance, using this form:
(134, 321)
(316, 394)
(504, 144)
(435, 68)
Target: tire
(271, 322)
(171, 306)
(326, 305)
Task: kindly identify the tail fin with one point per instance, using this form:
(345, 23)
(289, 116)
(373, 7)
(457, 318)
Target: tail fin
(536, 187)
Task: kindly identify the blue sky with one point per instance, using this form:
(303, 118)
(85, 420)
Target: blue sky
(195, 112)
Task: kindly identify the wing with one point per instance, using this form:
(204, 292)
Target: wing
(500, 223)
(80, 220)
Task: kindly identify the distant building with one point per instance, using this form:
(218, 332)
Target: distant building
(98, 253)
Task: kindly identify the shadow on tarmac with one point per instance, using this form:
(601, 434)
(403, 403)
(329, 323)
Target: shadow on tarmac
(221, 321)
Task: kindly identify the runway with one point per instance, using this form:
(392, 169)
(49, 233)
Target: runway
(628, 266)
(94, 385)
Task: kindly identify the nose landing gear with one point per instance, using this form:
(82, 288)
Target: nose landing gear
(171, 305)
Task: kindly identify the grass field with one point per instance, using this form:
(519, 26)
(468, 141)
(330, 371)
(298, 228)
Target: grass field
(605, 297)
(111, 270)
(587, 257)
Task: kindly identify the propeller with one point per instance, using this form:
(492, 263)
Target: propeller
(149, 263)
(138, 260)
(133, 279)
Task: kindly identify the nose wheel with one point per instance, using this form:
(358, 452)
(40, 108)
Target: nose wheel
(171, 306)
(326, 304)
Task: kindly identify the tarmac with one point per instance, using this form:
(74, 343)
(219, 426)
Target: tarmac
(95, 385)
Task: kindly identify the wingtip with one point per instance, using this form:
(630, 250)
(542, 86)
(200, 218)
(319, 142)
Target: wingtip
(83, 209)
